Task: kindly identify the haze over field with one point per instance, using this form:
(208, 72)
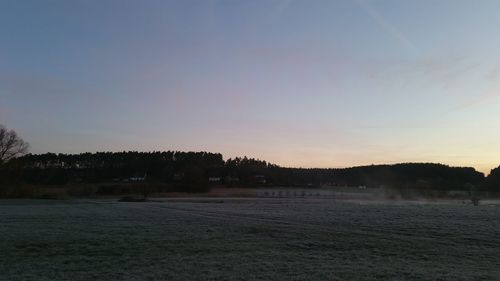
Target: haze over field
(298, 83)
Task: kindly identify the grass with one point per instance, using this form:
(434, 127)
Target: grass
(253, 239)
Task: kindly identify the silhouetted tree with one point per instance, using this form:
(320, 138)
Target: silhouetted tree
(492, 182)
(473, 194)
(11, 145)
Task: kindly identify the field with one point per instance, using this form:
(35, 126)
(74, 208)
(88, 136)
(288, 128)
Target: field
(247, 239)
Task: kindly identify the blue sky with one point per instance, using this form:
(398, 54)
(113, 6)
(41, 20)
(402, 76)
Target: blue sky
(295, 82)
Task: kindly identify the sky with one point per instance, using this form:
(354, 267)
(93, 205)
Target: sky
(299, 83)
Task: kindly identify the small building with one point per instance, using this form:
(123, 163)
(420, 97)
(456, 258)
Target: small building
(214, 179)
(231, 180)
(137, 178)
(178, 176)
(260, 179)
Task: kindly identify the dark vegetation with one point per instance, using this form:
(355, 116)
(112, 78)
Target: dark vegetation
(173, 171)
(132, 172)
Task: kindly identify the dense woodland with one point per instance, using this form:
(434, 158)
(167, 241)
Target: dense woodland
(197, 171)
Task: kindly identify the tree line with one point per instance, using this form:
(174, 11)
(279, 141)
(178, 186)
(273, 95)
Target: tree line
(205, 168)
(197, 171)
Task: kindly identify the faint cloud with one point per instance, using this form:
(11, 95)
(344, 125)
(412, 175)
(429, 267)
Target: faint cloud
(476, 99)
(489, 95)
(387, 26)
(494, 74)
(448, 73)
(445, 72)
(43, 89)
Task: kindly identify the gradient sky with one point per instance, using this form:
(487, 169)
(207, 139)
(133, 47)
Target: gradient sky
(295, 82)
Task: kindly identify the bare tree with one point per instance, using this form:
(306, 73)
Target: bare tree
(11, 145)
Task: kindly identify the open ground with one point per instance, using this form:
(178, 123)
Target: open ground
(247, 239)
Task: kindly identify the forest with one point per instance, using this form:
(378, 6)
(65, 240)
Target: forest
(198, 171)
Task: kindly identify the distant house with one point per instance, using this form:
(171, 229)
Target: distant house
(137, 178)
(214, 179)
(260, 179)
(231, 179)
(178, 176)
